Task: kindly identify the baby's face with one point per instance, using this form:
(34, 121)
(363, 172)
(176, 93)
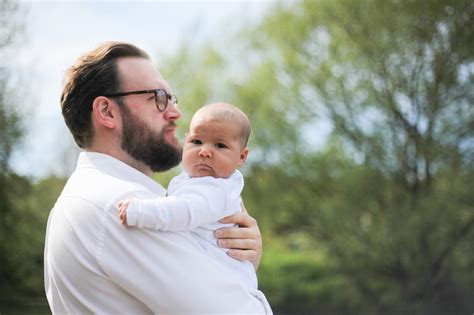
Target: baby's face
(213, 148)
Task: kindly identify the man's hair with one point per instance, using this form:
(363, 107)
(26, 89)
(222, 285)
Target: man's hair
(94, 74)
(231, 113)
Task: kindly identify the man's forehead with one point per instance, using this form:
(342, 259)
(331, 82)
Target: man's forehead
(139, 74)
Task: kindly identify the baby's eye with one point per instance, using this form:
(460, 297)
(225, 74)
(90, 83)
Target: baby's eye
(221, 146)
(196, 141)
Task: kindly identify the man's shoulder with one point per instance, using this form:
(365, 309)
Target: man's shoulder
(100, 188)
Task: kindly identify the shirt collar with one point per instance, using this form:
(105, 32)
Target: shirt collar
(116, 168)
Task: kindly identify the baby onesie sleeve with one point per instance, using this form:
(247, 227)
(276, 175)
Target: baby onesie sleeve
(192, 202)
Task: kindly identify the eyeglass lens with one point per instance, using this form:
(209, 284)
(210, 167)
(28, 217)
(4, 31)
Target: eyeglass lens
(162, 99)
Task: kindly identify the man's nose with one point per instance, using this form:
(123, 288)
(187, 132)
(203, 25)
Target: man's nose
(172, 112)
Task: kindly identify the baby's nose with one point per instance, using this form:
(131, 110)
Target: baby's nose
(204, 152)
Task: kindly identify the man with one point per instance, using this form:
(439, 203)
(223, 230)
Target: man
(120, 110)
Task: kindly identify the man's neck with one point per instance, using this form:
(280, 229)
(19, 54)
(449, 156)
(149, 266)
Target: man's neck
(121, 155)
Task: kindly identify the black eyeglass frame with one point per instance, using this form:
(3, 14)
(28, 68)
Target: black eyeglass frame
(157, 92)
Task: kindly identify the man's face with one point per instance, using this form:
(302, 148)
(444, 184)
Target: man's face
(148, 134)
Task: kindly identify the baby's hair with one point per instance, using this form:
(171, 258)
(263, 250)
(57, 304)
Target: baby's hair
(229, 112)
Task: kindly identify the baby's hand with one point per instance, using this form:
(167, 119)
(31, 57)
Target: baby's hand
(122, 206)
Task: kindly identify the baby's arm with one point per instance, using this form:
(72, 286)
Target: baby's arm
(199, 202)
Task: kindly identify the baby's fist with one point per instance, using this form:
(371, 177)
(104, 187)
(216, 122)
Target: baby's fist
(122, 206)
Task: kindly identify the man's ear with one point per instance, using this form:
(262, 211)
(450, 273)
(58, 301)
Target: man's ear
(105, 112)
(243, 155)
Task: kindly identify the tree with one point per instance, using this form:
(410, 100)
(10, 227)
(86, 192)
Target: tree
(388, 202)
(18, 240)
(395, 80)
(10, 128)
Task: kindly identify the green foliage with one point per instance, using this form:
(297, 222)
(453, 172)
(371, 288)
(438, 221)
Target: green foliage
(403, 259)
(24, 205)
(23, 232)
(388, 199)
(10, 128)
(395, 80)
(298, 282)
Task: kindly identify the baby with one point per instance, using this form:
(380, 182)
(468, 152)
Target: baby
(207, 190)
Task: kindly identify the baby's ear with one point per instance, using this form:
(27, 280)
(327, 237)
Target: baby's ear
(243, 155)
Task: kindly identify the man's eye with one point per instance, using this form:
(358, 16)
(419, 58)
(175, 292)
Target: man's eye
(196, 141)
(221, 146)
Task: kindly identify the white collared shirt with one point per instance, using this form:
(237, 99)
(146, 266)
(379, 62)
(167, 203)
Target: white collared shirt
(93, 264)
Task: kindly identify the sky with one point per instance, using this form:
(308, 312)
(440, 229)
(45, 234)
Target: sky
(56, 33)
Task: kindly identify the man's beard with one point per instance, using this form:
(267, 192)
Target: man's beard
(147, 146)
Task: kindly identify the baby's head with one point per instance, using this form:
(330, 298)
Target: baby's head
(216, 143)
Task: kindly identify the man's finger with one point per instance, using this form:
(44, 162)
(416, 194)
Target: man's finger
(242, 254)
(233, 232)
(237, 243)
(241, 219)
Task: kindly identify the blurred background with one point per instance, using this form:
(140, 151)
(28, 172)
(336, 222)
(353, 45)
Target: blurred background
(361, 171)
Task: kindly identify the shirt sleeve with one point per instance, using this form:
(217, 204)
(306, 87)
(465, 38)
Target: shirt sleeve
(193, 202)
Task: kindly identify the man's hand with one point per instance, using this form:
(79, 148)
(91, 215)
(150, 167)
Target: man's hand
(245, 241)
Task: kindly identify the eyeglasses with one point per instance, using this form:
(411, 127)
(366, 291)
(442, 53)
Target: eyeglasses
(161, 97)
